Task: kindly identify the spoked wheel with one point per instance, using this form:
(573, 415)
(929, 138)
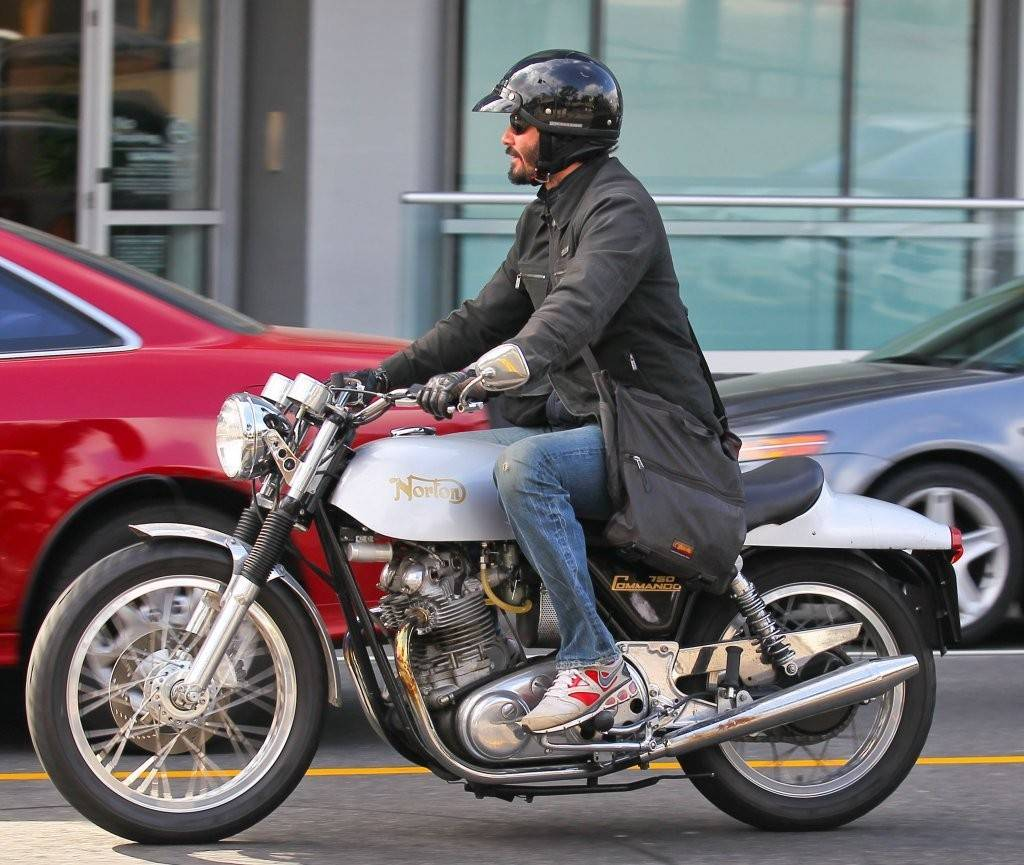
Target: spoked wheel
(823, 771)
(113, 731)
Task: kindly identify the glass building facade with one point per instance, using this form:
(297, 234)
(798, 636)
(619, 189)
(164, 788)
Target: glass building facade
(245, 151)
(870, 98)
(108, 127)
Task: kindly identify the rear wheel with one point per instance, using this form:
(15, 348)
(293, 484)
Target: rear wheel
(824, 771)
(108, 731)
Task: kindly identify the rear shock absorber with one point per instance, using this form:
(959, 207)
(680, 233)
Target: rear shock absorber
(775, 647)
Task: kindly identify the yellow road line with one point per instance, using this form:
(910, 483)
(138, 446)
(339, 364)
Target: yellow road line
(357, 771)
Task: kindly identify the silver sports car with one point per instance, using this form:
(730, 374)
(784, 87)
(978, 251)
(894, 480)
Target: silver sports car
(934, 421)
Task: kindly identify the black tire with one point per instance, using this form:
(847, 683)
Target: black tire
(767, 809)
(48, 713)
(103, 537)
(906, 484)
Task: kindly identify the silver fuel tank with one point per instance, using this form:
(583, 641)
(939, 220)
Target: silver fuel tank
(425, 488)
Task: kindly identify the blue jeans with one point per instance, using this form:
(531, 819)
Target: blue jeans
(545, 479)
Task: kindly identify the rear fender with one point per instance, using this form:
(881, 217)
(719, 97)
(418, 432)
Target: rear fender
(924, 578)
(211, 536)
(929, 585)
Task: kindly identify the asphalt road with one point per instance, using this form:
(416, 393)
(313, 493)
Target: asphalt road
(968, 812)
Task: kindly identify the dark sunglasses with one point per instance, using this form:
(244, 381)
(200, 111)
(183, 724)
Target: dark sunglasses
(519, 126)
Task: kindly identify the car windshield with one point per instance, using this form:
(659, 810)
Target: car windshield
(979, 333)
(1005, 356)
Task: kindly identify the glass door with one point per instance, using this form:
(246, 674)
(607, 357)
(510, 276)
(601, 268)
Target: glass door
(147, 163)
(40, 56)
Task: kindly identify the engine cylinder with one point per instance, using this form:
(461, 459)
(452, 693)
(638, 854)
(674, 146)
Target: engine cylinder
(459, 640)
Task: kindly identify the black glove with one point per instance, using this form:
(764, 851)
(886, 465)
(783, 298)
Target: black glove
(375, 380)
(442, 392)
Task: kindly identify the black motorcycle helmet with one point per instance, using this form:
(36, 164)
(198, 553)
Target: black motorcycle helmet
(573, 99)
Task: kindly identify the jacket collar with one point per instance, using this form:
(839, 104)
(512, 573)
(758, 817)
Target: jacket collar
(561, 202)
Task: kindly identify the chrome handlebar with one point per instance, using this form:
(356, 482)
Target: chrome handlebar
(399, 399)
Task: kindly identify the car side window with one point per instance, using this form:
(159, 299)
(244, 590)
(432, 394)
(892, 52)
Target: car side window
(32, 320)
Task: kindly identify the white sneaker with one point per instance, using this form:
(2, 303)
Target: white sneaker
(579, 694)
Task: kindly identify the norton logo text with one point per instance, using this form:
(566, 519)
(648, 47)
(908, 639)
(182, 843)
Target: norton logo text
(415, 487)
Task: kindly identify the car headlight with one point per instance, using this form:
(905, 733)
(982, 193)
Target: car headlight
(771, 447)
(241, 435)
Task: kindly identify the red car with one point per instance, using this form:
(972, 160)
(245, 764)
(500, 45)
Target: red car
(113, 381)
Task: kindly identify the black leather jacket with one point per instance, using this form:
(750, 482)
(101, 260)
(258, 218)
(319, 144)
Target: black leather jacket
(609, 283)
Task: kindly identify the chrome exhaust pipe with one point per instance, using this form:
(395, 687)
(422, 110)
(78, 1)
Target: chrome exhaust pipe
(843, 687)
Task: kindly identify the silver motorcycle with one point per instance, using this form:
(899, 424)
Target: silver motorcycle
(176, 689)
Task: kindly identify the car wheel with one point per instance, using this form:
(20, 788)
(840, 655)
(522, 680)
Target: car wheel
(108, 535)
(988, 577)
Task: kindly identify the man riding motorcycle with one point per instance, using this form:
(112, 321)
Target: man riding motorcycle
(590, 266)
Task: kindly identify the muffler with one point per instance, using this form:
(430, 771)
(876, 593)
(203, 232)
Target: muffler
(843, 687)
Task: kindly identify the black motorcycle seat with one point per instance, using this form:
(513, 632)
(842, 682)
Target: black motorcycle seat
(776, 492)
(781, 490)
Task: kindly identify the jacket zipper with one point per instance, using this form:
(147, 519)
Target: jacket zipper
(694, 481)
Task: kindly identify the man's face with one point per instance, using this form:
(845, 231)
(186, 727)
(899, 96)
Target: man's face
(524, 149)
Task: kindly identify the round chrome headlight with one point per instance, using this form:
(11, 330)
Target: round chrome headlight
(241, 441)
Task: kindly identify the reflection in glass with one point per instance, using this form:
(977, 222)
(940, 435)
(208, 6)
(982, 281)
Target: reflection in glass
(40, 53)
(496, 35)
(161, 123)
(174, 252)
(897, 282)
(736, 96)
(912, 127)
(912, 138)
(746, 97)
(758, 293)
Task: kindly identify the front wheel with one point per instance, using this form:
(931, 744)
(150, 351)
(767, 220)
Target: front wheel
(109, 734)
(827, 770)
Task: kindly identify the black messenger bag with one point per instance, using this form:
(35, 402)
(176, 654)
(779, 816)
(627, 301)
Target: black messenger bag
(676, 483)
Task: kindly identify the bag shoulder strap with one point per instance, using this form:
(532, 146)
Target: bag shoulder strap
(716, 400)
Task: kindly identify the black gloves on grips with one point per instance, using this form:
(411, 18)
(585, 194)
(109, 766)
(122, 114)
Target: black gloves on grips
(440, 394)
(373, 380)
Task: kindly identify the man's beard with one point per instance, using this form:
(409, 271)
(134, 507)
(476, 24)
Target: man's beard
(526, 171)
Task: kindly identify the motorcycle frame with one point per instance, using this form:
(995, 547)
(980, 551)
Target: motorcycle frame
(396, 717)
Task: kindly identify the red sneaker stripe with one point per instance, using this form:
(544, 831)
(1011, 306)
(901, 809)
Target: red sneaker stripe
(587, 698)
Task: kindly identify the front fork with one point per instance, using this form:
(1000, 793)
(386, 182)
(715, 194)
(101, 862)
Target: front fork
(249, 572)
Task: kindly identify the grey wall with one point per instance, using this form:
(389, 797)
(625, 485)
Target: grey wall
(274, 204)
(376, 99)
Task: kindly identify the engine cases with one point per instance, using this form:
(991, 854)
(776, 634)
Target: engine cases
(486, 722)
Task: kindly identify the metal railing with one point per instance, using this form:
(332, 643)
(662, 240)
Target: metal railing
(811, 201)
(985, 234)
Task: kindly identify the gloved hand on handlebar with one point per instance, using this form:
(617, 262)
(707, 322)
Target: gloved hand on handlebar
(375, 380)
(443, 392)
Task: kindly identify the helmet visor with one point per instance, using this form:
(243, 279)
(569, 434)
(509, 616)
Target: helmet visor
(501, 100)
